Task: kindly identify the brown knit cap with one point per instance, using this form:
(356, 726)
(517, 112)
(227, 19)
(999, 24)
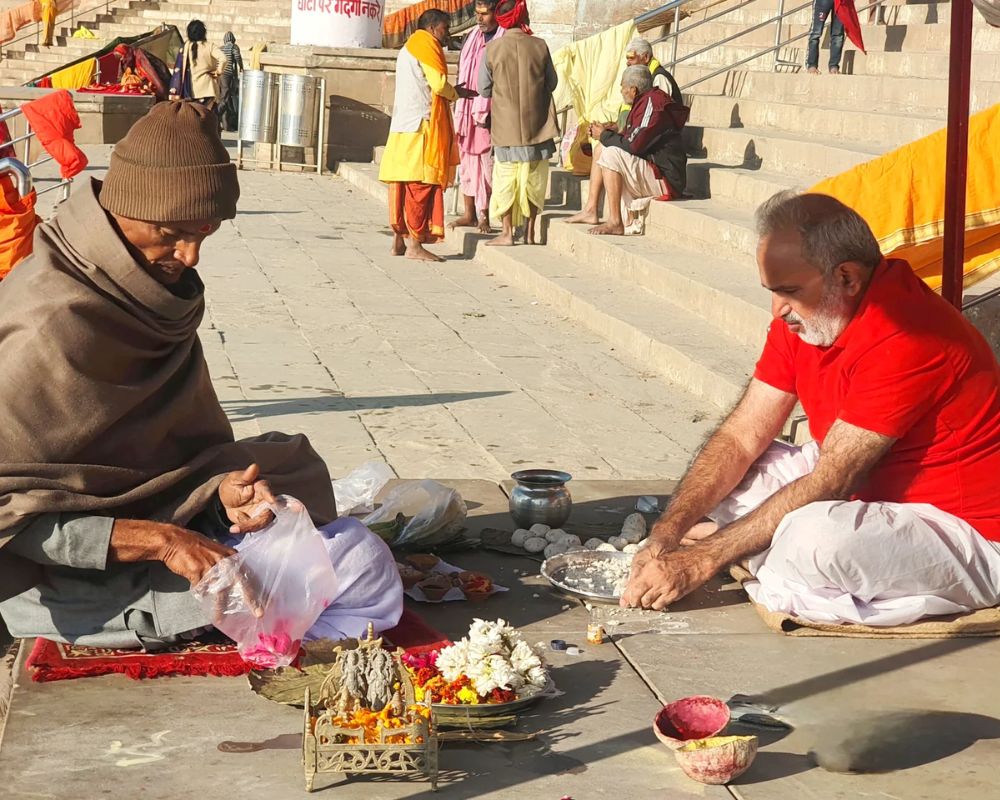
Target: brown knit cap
(172, 167)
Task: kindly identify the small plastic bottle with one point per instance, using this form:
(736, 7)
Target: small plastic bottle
(595, 629)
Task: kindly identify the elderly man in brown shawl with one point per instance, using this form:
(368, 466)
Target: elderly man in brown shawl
(119, 469)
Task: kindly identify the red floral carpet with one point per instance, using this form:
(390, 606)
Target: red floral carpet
(54, 661)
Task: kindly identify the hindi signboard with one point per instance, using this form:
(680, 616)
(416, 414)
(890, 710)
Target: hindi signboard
(338, 23)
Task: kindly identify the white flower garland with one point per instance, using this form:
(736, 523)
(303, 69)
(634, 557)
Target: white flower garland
(494, 656)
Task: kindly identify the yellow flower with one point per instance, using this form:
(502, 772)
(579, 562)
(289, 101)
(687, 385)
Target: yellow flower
(468, 696)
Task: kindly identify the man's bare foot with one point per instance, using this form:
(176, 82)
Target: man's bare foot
(485, 227)
(463, 222)
(503, 240)
(584, 217)
(607, 229)
(813, 71)
(417, 252)
(529, 236)
(398, 245)
(834, 70)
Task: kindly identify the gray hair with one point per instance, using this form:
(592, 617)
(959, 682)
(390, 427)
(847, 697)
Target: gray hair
(639, 47)
(638, 76)
(831, 232)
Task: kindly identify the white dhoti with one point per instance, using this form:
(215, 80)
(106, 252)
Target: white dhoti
(640, 186)
(877, 564)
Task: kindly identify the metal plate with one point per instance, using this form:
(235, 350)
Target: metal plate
(556, 569)
(448, 714)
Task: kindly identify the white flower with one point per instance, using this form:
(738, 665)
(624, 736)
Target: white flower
(453, 661)
(537, 677)
(494, 656)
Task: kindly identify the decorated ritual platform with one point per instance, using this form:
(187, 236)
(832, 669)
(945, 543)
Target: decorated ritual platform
(179, 737)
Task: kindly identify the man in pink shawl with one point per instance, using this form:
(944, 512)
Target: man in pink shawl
(472, 123)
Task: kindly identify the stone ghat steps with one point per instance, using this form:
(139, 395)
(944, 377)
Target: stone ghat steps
(250, 20)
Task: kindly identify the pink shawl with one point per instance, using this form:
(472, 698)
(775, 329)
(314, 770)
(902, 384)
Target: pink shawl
(472, 137)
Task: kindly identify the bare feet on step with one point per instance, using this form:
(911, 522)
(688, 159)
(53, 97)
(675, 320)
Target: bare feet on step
(398, 245)
(463, 222)
(484, 227)
(584, 217)
(417, 252)
(607, 229)
(503, 240)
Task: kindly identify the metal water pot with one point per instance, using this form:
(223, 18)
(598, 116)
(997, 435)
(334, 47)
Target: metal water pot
(541, 496)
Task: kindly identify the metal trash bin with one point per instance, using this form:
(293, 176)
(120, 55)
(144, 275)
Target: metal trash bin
(259, 106)
(297, 111)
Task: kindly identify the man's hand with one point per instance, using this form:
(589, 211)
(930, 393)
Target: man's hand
(465, 92)
(242, 493)
(661, 575)
(597, 128)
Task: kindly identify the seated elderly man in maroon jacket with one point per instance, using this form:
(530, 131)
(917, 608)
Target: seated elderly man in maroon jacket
(646, 159)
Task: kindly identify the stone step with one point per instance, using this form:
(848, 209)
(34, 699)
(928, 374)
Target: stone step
(642, 324)
(756, 13)
(808, 159)
(931, 38)
(664, 337)
(877, 94)
(875, 65)
(706, 226)
(736, 186)
(726, 295)
(838, 124)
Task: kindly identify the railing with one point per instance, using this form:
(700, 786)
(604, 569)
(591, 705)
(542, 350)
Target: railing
(677, 30)
(22, 167)
(71, 15)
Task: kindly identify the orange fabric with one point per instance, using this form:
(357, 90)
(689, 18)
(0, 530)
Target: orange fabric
(404, 22)
(440, 145)
(13, 19)
(53, 118)
(416, 210)
(17, 225)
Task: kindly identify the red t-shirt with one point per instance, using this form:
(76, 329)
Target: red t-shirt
(910, 366)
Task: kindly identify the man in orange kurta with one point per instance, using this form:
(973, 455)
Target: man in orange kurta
(421, 153)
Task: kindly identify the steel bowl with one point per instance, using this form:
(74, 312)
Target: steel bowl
(541, 496)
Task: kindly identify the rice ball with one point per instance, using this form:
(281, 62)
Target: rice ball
(536, 544)
(520, 536)
(631, 549)
(593, 543)
(554, 535)
(554, 550)
(617, 542)
(570, 540)
(538, 529)
(606, 547)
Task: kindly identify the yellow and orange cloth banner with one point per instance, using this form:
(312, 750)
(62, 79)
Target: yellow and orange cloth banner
(901, 195)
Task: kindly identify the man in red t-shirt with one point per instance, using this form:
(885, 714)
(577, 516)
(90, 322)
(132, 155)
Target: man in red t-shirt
(892, 513)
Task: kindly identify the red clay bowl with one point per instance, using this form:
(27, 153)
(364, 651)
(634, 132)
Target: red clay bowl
(717, 760)
(689, 719)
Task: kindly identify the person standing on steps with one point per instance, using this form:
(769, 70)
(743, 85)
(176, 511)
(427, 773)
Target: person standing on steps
(472, 120)
(421, 153)
(519, 76)
(820, 11)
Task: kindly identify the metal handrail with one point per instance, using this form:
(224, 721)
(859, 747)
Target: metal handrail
(25, 163)
(676, 32)
(72, 14)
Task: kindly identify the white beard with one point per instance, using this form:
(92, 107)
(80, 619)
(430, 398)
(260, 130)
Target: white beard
(829, 321)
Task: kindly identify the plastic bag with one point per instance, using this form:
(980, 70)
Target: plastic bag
(577, 153)
(355, 493)
(434, 515)
(266, 596)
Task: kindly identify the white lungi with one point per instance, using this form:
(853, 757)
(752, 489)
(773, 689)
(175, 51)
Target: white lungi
(639, 182)
(876, 564)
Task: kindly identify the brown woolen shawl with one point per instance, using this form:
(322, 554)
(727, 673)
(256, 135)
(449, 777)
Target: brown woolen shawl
(106, 404)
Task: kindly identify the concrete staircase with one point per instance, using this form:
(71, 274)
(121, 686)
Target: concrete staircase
(251, 21)
(685, 300)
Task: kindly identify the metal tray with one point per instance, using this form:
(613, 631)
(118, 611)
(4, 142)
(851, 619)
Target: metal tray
(448, 714)
(556, 568)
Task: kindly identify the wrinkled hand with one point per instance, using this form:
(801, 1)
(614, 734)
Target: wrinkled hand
(192, 556)
(241, 493)
(466, 93)
(661, 576)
